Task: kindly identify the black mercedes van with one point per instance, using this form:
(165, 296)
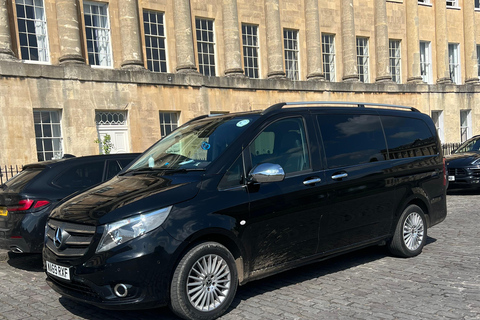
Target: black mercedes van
(224, 200)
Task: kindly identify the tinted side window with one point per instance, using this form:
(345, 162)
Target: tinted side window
(19, 181)
(80, 176)
(234, 176)
(352, 139)
(283, 142)
(112, 169)
(408, 137)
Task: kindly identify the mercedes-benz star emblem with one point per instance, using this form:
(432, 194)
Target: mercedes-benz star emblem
(57, 240)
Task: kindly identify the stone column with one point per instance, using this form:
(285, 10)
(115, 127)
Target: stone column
(382, 60)
(349, 53)
(471, 66)
(314, 49)
(182, 18)
(274, 40)
(6, 52)
(231, 38)
(413, 43)
(69, 32)
(132, 57)
(443, 73)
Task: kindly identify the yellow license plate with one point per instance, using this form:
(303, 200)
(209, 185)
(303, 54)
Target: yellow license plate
(3, 211)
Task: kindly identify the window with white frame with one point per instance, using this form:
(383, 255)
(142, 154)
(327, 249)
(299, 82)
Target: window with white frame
(168, 122)
(205, 46)
(426, 62)
(97, 32)
(465, 124)
(423, 1)
(250, 50)
(452, 3)
(478, 59)
(395, 60)
(48, 134)
(363, 59)
(454, 62)
(437, 117)
(477, 4)
(32, 30)
(155, 41)
(328, 55)
(290, 41)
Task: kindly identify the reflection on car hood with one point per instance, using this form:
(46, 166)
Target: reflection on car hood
(124, 196)
(462, 159)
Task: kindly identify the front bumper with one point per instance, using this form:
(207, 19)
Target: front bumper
(144, 265)
(463, 178)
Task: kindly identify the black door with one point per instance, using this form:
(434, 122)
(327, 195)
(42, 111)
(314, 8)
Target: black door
(284, 216)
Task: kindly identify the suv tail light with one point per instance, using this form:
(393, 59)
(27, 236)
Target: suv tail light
(24, 205)
(444, 173)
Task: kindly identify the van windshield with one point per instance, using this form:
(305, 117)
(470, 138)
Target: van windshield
(193, 146)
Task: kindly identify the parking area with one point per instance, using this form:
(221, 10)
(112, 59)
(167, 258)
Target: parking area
(442, 283)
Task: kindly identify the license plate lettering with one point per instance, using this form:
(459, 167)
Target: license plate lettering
(58, 271)
(451, 178)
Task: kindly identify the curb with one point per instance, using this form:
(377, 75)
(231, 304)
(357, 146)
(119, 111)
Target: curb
(3, 255)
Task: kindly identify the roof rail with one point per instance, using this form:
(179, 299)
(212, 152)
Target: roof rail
(280, 105)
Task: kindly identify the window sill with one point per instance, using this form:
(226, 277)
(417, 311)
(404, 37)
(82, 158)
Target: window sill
(396, 1)
(454, 8)
(425, 4)
(47, 63)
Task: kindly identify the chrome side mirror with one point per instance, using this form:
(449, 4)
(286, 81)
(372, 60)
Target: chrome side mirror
(266, 172)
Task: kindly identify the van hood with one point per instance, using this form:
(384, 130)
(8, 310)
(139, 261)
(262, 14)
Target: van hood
(124, 196)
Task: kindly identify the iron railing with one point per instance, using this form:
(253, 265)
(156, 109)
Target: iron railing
(6, 172)
(448, 148)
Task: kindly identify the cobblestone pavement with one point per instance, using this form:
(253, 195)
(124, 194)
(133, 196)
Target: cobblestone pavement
(442, 283)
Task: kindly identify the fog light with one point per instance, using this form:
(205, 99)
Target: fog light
(120, 290)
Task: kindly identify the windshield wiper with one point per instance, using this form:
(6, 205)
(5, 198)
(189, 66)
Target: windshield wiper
(149, 170)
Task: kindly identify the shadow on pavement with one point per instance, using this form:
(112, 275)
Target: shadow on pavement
(26, 261)
(463, 192)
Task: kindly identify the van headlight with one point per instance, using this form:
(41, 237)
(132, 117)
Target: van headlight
(125, 230)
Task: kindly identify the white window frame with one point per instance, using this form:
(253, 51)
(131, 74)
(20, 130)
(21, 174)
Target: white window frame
(395, 57)
(154, 40)
(328, 57)
(251, 50)
(477, 5)
(425, 2)
(166, 127)
(292, 54)
(426, 62)
(454, 62)
(451, 3)
(465, 124)
(101, 34)
(39, 35)
(55, 137)
(437, 117)
(363, 59)
(206, 46)
(478, 59)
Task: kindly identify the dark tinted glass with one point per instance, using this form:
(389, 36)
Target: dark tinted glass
(18, 182)
(408, 137)
(112, 169)
(352, 139)
(80, 176)
(283, 142)
(234, 176)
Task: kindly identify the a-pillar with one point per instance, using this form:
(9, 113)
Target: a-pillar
(274, 40)
(413, 43)
(182, 18)
(349, 52)
(69, 32)
(314, 49)
(6, 52)
(441, 39)
(382, 58)
(231, 38)
(471, 63)
(130, 33)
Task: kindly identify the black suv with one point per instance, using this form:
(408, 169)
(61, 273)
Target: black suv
(27, 198)
(224, 200)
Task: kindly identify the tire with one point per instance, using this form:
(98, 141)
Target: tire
(207, 271)
(410, 234)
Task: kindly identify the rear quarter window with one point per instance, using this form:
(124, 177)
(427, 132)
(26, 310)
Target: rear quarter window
(80, 176)
(408, 137)
(19, 181)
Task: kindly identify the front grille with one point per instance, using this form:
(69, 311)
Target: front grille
(457, 172)
(75, 240)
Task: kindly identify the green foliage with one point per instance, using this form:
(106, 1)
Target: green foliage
(106, 144)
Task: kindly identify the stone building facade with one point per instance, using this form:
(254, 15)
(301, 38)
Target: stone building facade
(72, 71)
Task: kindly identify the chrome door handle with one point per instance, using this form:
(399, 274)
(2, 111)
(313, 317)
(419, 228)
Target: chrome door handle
(339, 176)
(312, 181)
